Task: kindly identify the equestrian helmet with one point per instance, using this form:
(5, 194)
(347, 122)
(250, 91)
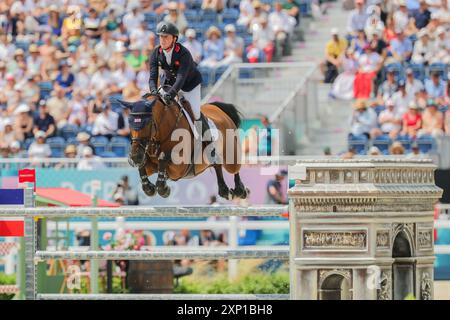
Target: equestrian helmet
(167, 28)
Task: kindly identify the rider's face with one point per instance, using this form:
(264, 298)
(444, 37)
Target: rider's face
(166, 41)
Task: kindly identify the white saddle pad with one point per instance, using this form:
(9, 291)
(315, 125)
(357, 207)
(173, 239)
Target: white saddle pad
(212, 127)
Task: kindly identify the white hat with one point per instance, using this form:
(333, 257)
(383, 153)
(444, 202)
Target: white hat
(39, 134)
(334, 31)
(440, 30)
(230, 28)
(390, 102)
(374, 151)
(14, 145)
(190, 33)
(119, 47)
(83, 136)
(84, 63)
(401, 2)
(134, 46)
(7, 122)
(87, 151)
(22, 108)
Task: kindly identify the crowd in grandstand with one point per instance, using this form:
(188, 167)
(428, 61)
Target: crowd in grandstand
(393, 60)
(63, 62)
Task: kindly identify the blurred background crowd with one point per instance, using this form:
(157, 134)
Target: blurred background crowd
(393, 62)
(64, 62)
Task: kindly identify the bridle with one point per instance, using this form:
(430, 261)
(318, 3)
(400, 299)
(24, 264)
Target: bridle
(152, 146)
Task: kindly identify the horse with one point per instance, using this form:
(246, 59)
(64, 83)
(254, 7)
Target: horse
(153, 124)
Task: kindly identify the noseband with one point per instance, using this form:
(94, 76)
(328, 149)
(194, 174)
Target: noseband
(145, 144)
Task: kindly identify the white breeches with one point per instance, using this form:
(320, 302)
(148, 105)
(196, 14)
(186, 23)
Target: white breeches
(194, 97)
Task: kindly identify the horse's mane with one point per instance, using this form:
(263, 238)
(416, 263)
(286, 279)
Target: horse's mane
(231, 111)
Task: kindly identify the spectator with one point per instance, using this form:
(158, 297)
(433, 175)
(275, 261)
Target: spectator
(122, 74)
(23, 125)
(213, 5)
(423, 48)
(133, 19)
(396, 149)
(105, 48)
(389, 86)
(126, 192)
(343, 84)
(15, 150)
(363, 119)
(390, 121)
(413, 85)
(441, 46)
(400, 98)
(401, 47)
(374, 151)
(78, 109)
(412, 121)
(333, 54)
(374, 24)
(72, 24)
(234, 46)
(39, 149)
(432, 121)
(292, 7)
(106, 123)
(58, 107)
(274, 191)
(70, 151)
(435, 87)
(193, 45)
(132, 92)
(7, 135)
(246, 12)
(83, 78)
(369, 65)
(136, 59)
(357, 18)
(65, 79)
(213, 48)
(55, 21)
(263, 38)
(282, 26)
(43, 121)
(142, 77)
(89, 161)
(92, 24)
(34, 61)
(31, 90)
(400, 16)
(359, 43)
(176, 17)
(101, 79)
(422, 16)
(83, 142)
(415, 151)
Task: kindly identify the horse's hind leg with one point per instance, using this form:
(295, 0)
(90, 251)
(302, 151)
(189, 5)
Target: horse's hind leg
(224, 191)
(240, 191)
(148, 187)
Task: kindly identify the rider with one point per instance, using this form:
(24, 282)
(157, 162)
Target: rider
(180, 72)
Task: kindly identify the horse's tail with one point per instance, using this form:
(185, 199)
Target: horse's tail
(231, 111)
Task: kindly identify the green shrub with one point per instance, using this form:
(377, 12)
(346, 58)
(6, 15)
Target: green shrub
(7, 280)
(256, 283)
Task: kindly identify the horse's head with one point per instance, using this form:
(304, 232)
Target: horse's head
(141, 129)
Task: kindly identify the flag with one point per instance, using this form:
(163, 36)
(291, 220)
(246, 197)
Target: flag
(12, 228)
(28, 175)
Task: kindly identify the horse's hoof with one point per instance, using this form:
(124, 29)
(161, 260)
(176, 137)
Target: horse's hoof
(226, 194)
(149, 189)
(164, 191)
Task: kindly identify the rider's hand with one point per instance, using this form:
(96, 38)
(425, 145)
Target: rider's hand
(167, 97)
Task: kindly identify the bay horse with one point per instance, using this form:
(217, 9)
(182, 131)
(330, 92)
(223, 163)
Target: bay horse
(153, 123)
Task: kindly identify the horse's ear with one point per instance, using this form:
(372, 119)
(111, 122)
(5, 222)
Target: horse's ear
(125, 104)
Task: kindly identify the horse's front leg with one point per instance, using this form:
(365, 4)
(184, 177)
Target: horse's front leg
(148, 187)
(161, 182)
